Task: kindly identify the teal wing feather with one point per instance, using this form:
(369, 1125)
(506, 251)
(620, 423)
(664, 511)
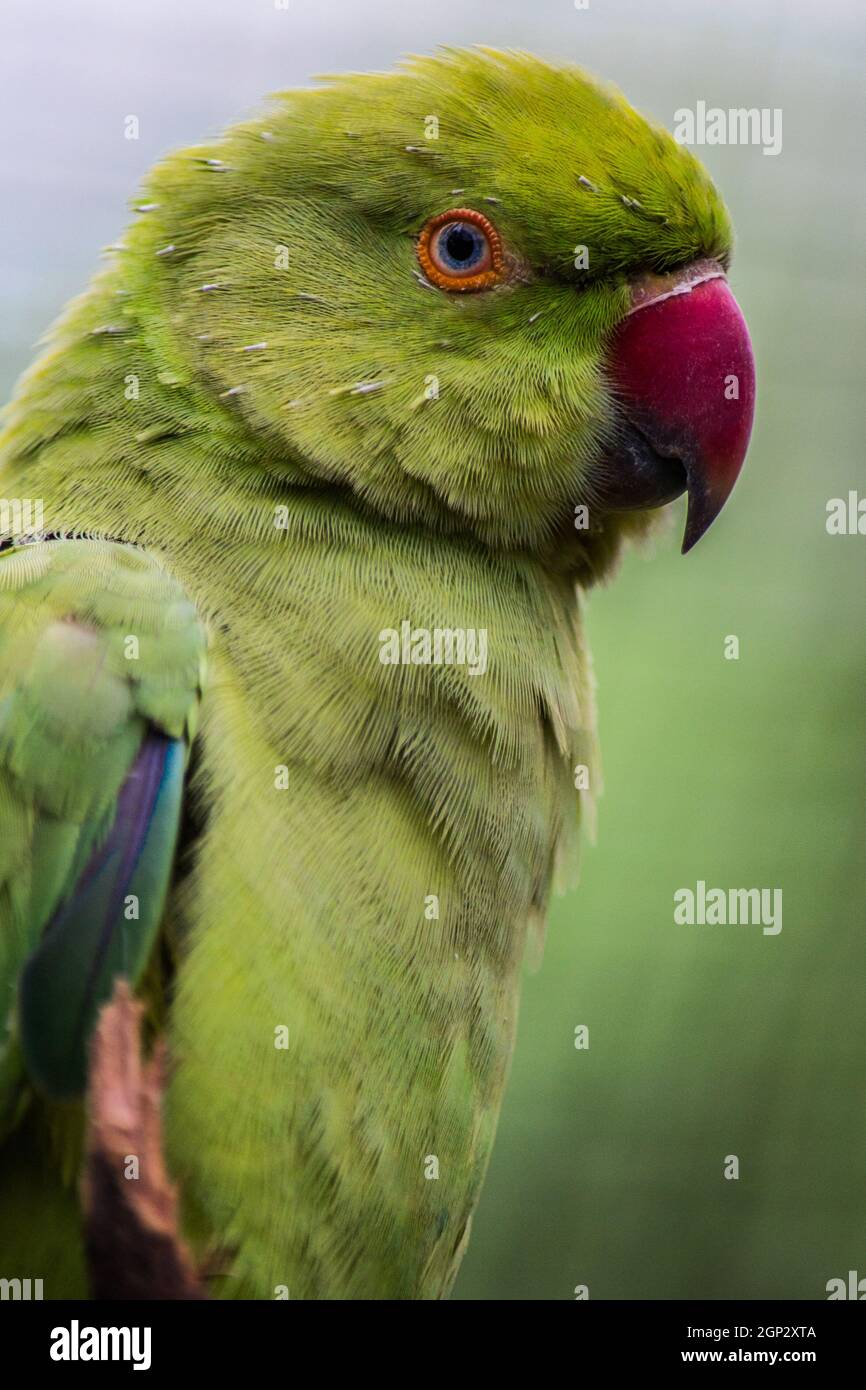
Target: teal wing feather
(107, 924)
(101, 665)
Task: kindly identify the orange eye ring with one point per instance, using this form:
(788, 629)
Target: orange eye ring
(461, 250)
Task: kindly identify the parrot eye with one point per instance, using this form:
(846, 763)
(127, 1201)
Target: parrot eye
(461, 250)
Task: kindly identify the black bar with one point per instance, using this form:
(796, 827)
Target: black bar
(229, 1338)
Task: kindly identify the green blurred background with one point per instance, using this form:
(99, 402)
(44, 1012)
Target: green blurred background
(704, 1041)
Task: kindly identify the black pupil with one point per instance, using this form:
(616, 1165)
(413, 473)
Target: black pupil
(460, 244)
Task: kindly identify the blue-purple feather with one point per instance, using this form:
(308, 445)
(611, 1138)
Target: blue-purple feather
(107, 924)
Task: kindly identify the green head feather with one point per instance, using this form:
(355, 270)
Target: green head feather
(279, 267)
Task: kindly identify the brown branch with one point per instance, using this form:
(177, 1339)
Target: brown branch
(133, 1245)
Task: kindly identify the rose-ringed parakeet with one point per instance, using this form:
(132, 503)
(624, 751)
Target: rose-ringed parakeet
(383, 378)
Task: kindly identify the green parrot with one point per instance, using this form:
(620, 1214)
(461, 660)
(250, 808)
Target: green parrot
(300, 504)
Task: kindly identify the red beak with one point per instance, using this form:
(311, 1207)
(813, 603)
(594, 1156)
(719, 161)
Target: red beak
(682, 368)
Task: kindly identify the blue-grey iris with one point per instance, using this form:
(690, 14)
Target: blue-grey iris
(461, 247)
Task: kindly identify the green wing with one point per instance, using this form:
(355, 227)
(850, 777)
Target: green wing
(101, 661)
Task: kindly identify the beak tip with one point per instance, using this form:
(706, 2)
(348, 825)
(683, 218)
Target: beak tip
(704, 506)
(695, 528)
(689, 542)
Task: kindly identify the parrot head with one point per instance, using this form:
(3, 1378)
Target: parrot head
(480, 293)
